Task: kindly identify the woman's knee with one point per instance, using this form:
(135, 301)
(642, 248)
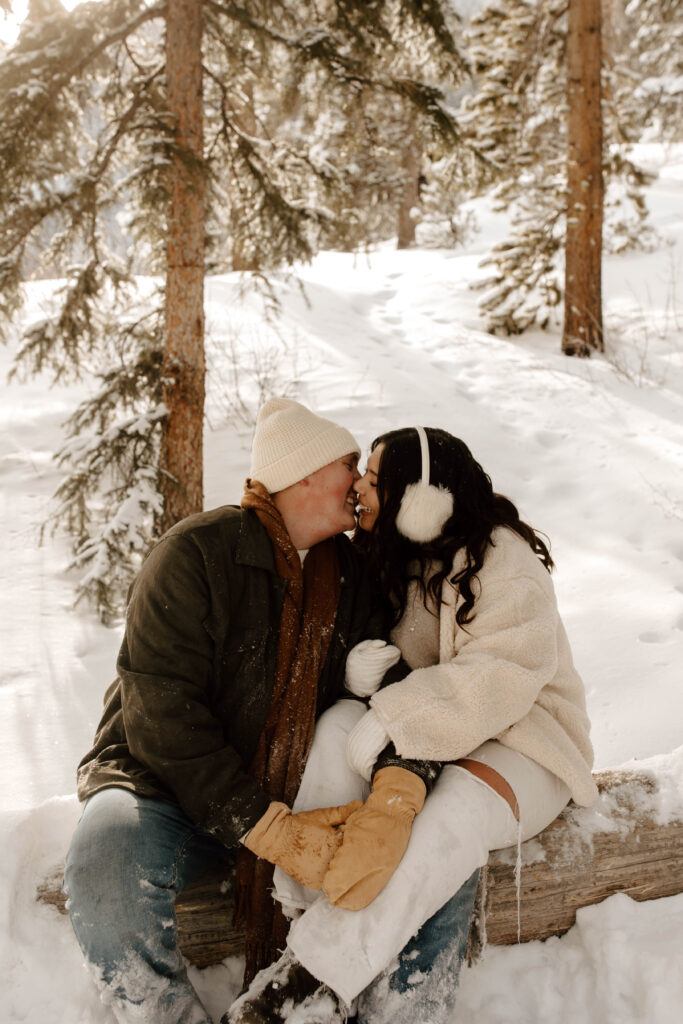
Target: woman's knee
(328, 779)
(338, 721)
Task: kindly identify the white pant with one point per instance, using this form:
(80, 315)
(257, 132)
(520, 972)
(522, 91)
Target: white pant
(463, 819)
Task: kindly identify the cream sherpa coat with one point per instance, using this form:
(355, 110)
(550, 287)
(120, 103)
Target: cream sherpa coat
(508, 676)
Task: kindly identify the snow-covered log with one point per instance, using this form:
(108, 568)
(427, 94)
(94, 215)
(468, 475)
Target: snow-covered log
(631, 841)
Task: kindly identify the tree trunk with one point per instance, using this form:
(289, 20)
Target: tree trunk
(411, 190)
(614, 27)
(246, 119)
(583, 279)
(181, 461)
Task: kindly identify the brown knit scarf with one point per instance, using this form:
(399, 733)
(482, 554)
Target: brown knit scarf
(306, 626)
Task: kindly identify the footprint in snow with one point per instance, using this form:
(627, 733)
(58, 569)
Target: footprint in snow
(653, 638)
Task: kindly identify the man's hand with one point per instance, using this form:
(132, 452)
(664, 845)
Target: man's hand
(301, 844)
(375, 839)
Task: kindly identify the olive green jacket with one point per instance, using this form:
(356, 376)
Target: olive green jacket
(196, 669)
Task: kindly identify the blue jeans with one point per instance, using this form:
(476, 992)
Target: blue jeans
(422, 987)
(129, 858)
(446, 932)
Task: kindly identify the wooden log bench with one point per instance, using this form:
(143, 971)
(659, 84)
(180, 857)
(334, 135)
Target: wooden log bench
(628, 842)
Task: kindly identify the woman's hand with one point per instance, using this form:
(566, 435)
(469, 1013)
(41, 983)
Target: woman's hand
(367, 664)
(375, 839)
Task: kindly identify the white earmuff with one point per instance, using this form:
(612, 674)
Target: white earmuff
(425, 508)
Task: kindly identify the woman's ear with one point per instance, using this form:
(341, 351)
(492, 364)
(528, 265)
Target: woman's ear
(425, 509)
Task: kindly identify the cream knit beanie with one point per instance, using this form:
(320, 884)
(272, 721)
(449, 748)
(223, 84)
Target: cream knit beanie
(290, 442)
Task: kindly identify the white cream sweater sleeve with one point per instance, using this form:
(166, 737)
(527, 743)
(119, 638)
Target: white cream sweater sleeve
(445, 711)
(508, 675)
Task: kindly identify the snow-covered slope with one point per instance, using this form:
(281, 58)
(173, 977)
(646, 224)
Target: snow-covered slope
(591, 451)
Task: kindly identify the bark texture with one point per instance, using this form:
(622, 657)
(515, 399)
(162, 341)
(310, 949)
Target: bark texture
(181, 461)
(583, 273)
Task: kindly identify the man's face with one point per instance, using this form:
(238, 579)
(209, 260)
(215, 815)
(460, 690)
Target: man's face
(332, 496)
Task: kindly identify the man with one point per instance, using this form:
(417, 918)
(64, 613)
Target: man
(236, 636)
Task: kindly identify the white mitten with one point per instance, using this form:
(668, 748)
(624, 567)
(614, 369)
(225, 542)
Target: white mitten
(365, 743)
(366, 664)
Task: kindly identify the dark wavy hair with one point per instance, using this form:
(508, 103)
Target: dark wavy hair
(477, 510)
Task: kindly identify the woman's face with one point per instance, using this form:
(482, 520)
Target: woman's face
(366, 489)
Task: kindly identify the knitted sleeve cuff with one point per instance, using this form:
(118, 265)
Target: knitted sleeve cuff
(364, 744)
(428, 771)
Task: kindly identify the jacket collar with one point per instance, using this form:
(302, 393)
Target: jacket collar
(253, 544)
(254, 547)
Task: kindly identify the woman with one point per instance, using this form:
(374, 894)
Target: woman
(490, 688)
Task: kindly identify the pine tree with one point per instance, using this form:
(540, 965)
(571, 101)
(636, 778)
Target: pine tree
(648, 59)
(91, 128)
(371, 144)
(517, 116)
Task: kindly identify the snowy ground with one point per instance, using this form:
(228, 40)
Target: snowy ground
(592, 452)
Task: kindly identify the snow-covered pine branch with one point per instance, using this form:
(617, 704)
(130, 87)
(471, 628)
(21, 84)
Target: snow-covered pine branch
(517, 115)
(301, 139)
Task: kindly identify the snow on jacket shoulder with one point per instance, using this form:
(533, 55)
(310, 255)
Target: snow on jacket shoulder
(508, 675)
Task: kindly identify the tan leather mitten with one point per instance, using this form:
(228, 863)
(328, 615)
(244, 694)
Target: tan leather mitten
(375, 839)
(301, 844)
